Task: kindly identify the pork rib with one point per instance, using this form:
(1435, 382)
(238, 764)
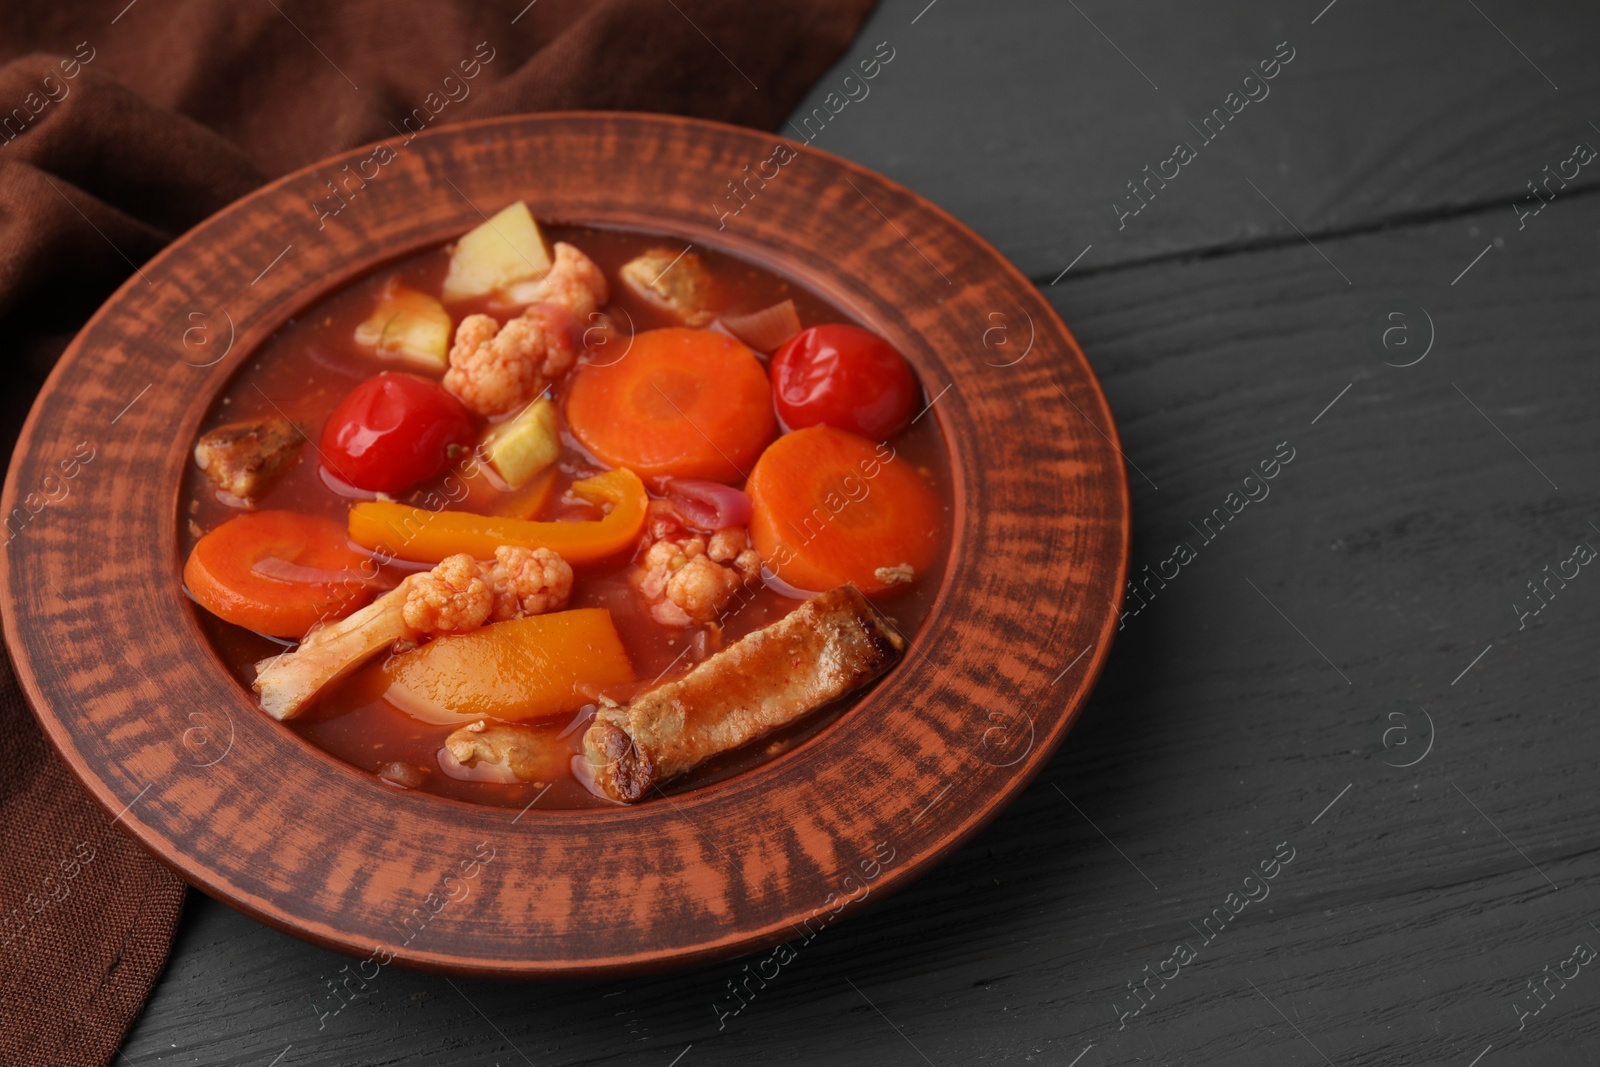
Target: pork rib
(831, 645)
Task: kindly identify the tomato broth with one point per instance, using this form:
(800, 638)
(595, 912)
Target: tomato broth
(304, 370)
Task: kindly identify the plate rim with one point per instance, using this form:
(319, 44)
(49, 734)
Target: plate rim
(734, 943)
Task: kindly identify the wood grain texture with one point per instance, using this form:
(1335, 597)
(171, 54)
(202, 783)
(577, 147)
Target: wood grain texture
(1027, 119)
(1397, 540)
(110, 653)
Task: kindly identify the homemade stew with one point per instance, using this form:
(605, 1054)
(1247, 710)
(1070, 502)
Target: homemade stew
(563, 516)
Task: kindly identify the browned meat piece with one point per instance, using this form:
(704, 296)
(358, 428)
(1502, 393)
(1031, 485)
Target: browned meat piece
(830, 645)
(675, 280)
(246, 458)
(525, 752)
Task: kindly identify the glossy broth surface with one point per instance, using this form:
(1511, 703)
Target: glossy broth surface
(312, 362)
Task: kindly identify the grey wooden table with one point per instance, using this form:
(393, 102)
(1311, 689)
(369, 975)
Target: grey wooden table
(1343, 754)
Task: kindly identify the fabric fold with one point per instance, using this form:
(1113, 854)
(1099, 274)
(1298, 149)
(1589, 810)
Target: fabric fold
(121, 130)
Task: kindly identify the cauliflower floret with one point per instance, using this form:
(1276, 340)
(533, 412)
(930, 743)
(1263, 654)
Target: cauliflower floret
(495, 369)
(458, 595)
(453, 597)
(573, 283)
(732, 545)
(528, 581)
(688, 578)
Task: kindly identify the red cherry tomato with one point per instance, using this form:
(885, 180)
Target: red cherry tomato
(844, 377)
(394, 431)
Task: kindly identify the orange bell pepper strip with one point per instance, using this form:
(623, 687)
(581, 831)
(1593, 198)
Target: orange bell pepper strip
(424, 536)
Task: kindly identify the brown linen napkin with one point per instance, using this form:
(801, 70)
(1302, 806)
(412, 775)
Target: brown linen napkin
(121, 127)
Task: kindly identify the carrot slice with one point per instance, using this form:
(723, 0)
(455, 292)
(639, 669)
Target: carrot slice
(526, 668)
(682, 404)
(830, 507)
(278, 572)
(429, 536)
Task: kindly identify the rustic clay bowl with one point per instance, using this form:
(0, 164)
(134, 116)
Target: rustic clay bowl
(110, 654)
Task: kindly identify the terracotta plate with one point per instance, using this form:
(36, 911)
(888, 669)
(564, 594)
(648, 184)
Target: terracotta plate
(110, 654)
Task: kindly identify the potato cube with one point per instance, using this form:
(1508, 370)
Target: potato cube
(409, 327)
(525, 444)
(506, 249)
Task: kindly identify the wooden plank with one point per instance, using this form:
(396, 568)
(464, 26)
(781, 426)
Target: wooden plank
(1248, 705)
(1028, 120)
